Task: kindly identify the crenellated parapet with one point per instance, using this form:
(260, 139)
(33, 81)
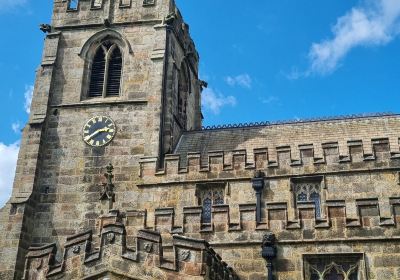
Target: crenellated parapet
(191, 258)
(319, 157)
(372, 216)
(106, 12)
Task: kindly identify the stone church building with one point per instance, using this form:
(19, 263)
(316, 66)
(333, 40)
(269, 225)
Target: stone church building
(117, 179)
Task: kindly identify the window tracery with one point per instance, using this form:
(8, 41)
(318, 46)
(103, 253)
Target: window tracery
(309, 191)
(333, 267)
(106, 70)
(209, 196)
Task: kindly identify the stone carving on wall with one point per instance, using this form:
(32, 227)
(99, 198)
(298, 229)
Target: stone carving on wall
(76, 249)
(107, 192)
(110, 237)
(148, 247)
(45, 28)
(184, 255)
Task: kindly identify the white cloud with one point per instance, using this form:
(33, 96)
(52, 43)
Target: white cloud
(270, 99)
(16, 127)
(373, 23)
(295, 74)
(8, 162)
(214, 101)
(28, 98)
(7, 5)
(243, 80)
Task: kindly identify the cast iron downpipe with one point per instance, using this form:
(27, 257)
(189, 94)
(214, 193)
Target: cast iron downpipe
(258, 186)
(269, 252)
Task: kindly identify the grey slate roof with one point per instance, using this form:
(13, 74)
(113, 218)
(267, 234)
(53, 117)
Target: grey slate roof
(289, 133)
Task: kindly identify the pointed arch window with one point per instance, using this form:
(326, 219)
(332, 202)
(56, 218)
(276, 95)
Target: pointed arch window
(308, 190)
(208, 196)
(106, 70)
(334, 267)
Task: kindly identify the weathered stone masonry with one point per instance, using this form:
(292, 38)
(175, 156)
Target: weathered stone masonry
(179, 202)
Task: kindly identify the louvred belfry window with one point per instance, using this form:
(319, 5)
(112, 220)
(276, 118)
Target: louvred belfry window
(105, 77)
(114, 72)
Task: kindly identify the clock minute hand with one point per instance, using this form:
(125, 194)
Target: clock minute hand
(105, 129)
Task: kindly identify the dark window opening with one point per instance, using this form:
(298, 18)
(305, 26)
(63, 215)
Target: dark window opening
(97, 75)
(208, 197)
(114, 73)
(333, 267)
(106, 71)
(309, 191)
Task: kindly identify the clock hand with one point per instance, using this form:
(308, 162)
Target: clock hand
(104, 129)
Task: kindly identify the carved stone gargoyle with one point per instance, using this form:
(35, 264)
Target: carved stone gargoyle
(170, 18)
(45, 28)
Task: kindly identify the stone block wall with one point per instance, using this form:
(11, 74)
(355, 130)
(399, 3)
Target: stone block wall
(120, 12)
(56, 195)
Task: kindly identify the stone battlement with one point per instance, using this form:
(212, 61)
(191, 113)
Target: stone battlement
(372, 216)
(319, 157)
(191, 258)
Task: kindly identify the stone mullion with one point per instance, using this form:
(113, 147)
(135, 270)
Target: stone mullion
(107, 65)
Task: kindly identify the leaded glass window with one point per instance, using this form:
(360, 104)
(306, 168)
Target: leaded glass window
(209, 196)
(309, 191)
(333, 267)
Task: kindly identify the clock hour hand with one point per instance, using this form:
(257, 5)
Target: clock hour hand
(104, 129)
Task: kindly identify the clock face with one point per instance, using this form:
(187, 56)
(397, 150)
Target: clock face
(99, 131)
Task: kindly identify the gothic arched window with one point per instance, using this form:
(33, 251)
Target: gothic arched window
(334, 267)
(210, 195)
(106, 70)
(308, 190)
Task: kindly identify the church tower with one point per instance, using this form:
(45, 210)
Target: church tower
(118, 82)
(116, 179)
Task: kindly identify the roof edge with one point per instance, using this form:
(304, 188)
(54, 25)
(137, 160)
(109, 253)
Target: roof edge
(299, 121)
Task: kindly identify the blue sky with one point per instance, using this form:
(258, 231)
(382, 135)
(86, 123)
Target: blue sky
(270, 60)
